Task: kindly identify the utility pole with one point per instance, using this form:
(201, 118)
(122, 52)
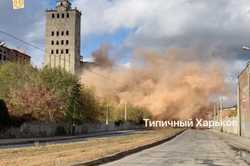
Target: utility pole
(221, 107)
(217, 112)
(214, 114)
(107, 115)
(125, 112)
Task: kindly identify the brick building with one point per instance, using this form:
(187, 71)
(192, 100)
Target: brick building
(13, 55)
(244, 101)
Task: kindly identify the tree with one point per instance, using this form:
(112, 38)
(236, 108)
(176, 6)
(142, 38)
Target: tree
(137, 114)
(73, 113)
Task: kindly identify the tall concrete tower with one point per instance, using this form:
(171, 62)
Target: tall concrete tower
(63, 37)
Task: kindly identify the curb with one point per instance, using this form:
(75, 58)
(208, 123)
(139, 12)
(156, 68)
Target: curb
(123, 154)
(234, 144)
(49, 140)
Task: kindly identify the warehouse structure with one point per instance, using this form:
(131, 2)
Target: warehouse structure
(12, 55)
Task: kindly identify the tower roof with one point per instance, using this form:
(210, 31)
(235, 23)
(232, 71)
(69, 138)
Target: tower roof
(63, 4)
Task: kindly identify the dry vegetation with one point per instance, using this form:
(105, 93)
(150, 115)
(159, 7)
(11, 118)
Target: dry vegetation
(72, 153)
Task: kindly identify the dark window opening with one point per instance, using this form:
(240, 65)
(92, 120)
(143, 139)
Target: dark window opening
(67, 42)
(52, 33)
(52, 42)
(58, 16)
(52, 51)
(67, 33)
(57, 42)
(53, 15)
(57, 33)
(62, 42)
(62, 33)
(57, 51)
(67, 15)
(61, 51)
(63, 15)
(67, 51)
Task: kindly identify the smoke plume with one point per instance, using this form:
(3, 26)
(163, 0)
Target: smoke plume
(176, 84)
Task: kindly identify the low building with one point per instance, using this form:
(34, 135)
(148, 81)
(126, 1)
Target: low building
(13, 55)
(229, 112)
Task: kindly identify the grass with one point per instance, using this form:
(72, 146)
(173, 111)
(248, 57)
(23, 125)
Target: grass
(73, 153)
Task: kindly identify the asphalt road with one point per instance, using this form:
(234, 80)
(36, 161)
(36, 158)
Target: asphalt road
(192, 148)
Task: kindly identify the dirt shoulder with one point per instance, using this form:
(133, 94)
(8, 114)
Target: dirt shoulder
(74, 153)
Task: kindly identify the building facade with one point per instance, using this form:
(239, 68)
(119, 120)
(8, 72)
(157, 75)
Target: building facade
(63, 37)
(13, 55)
(244, 101)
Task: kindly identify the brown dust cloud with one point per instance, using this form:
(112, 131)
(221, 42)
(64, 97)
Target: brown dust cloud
(173, 85)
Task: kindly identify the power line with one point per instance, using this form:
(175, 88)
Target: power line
(20, 40)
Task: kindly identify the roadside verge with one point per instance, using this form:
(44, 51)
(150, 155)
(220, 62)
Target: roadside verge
(123, 154)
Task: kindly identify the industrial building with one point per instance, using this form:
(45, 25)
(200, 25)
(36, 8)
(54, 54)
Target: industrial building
(63, 37)
(13, 55)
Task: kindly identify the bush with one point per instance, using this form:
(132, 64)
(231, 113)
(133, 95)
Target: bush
(134, 115)
(4, 114)
(60, 130)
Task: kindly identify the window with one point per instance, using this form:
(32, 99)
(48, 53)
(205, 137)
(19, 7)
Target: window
(67, 15)
(52, 42)
(52, 51)
(67, 51)
(67, 42)
(57, 51)
(4, 58)
(53, 15)
(62, 42)
(52, 33)
(0, 57)
(57, 33)
(58, 16)
(67, 33)
(61, 51)
(63, 15)
(62, 33)
(57, 42)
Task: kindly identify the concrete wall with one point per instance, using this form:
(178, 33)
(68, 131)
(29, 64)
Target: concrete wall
(28, 130)
(231, 129)
(244, 102)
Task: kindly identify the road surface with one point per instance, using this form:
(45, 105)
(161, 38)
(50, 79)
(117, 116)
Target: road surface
(192, 148)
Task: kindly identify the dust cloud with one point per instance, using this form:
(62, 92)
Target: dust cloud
(174, 85)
